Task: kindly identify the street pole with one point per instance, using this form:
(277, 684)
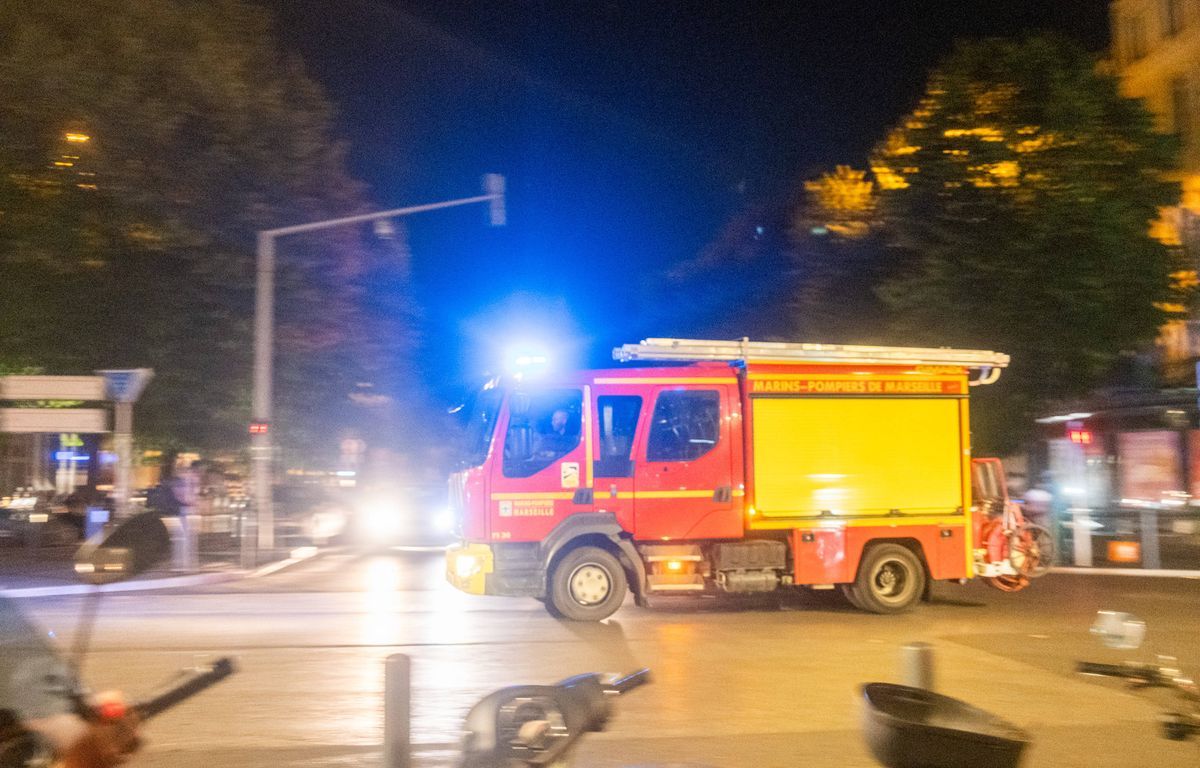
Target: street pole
(124, 387)
(261, 459)
(261, 443)
(123, 442)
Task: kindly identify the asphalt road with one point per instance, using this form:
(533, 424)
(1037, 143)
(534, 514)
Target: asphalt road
(763, 683)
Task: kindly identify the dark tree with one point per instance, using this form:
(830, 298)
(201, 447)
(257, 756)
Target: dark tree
(144, 144)
(1017, 201)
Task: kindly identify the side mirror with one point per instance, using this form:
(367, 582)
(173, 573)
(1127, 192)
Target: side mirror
(124, 551)
(1119, 630)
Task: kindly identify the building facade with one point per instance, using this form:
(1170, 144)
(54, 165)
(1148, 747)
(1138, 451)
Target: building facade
(1156, 48)
(1124, 466)
(1156, 54)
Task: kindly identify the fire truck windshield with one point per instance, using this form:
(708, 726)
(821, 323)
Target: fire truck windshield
(479, 427)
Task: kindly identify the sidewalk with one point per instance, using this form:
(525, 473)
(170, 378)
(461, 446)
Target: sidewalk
(50, 572)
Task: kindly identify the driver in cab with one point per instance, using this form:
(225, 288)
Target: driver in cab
(560, 438)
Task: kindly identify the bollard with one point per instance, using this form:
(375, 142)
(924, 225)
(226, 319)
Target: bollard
(396, 716)
(916, 662)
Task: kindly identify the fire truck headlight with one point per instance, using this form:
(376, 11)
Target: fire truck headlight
(467, 565)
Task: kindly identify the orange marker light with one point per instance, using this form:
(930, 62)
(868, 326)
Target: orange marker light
(111, 710)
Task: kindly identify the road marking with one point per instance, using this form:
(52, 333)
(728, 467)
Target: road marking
(169, 582)
(172, 582)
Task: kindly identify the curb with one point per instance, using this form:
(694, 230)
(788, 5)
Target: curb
(168, 582)
(1159, 573)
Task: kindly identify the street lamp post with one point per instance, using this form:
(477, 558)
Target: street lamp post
(261, 430)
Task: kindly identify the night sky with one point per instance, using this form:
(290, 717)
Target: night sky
(630, 133)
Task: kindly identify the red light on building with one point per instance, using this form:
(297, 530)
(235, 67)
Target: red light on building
(258, 428)
(1080, 436)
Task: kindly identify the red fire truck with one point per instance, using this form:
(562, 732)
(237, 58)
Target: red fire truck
(732, 466)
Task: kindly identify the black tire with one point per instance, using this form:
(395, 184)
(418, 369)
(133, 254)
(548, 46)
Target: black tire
(847, 591)
(890, 579)
(548, 604)
(588, 584)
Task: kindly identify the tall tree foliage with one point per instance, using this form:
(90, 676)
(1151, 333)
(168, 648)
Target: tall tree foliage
(1016, 200)
(836, 242)
(144, 144)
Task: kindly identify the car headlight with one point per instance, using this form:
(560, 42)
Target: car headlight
(381, 520)
(327, 524)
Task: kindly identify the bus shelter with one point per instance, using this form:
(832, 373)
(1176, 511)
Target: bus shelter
(1123, 473)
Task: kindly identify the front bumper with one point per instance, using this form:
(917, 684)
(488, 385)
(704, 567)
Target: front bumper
(511, 569)
(468, 566)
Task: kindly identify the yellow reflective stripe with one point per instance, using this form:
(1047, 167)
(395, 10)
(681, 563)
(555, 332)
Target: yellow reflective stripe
(587, 437)
(665, 380)
(672, 494)
(882, 521)
(696, 494)
(851, 376)
(533, 496)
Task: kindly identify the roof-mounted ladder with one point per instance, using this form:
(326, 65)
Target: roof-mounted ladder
(989, 364)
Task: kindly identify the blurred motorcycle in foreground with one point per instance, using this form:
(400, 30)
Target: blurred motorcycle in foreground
(1125, 632)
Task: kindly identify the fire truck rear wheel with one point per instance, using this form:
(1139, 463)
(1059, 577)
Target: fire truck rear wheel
(890, 579)
(588, 584)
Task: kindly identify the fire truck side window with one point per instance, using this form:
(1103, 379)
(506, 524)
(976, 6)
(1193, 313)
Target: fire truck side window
(618, 418)
(687, 425)
(542, 428)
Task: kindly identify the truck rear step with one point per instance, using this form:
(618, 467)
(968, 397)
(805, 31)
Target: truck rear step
(675, 582)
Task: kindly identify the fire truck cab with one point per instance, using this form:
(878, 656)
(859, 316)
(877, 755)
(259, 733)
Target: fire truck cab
(723, 466)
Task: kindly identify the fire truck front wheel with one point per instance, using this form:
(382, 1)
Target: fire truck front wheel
(890, 579)
(587, 584)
